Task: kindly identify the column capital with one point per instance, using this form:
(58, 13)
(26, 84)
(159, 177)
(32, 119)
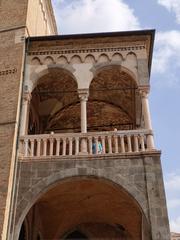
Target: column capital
(27, 96)
(144, 91)
(83, 94)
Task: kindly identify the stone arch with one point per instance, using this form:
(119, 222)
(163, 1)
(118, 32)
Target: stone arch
(82, 234)
(76, 59)
(125, 69)
(43, 70)
(54, 91)
(48, 60)
(103, 58)
(100, 228)
(90, 59)
(33, 194)
(24, 231)
(112, 94)
(117, 57)
(62, 60)
(36, 61)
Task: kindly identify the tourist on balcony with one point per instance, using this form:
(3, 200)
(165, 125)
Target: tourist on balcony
(99, 148)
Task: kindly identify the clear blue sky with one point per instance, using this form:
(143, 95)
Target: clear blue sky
(80, 16)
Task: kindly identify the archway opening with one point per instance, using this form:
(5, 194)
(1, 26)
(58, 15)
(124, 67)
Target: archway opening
(54, 105)
(112, 101)
(22, 235)
(76, 235)
(93, 207)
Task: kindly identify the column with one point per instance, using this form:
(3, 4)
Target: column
(147, 117)
(83, 95)
(25, 113)
(145, 108)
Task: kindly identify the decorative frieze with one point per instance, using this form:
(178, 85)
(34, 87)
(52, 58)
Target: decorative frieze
(88, 50)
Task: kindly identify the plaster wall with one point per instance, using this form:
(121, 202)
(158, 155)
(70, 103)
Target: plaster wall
(40, 18)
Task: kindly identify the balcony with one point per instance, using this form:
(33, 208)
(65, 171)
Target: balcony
(91, 143)
(81, 118)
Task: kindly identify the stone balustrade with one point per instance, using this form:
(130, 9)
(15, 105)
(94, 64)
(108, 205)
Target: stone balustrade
(91, 143)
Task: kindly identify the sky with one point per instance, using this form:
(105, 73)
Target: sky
(85, 16)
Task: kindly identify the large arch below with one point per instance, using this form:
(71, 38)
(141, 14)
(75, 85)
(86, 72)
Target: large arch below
(38, 191)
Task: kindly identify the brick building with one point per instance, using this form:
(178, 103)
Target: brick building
(77, 154)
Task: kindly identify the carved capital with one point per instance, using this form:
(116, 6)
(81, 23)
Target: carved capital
(144, 91)
(27, 96)
(83, 94)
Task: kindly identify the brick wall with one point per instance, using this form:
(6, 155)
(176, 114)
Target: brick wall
(11, 64)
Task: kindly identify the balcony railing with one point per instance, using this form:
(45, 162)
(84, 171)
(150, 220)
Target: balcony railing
(92, 143)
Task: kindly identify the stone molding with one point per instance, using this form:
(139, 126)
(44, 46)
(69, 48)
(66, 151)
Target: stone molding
(87, 50)
(144, 90)
(83, 94)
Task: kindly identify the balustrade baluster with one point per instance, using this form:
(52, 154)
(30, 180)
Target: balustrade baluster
(116, 143)
(32, 147)
(90, 145)
(57, 146)
(26, 142)
(45, 147)
(64, 147)
(129, 143)
(109, 144)
(103, 144)
(70, 145)
(77, 145)
(142, 143)
(96, 144)
(122, 144)
(51, 146)
(38, 147)
(136, 145)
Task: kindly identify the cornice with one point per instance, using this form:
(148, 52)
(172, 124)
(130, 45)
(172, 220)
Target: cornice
(88, 50)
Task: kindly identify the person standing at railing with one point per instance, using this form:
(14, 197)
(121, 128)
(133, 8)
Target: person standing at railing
(99, 147)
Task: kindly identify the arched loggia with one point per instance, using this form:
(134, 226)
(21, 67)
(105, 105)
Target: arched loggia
(112, 100)
(52, 102)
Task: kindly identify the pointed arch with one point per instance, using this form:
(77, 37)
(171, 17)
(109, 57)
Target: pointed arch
(90, 59)
(103, 58)
(62, 60)
(36, 61)
(48, 60)
(76, 59)
(117, 57)
(131, 58)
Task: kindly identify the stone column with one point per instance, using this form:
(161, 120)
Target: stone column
(146, 114)
(25, 113)
(83, 95)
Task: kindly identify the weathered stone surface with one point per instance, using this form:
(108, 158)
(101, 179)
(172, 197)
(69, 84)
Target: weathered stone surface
(141, 185)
